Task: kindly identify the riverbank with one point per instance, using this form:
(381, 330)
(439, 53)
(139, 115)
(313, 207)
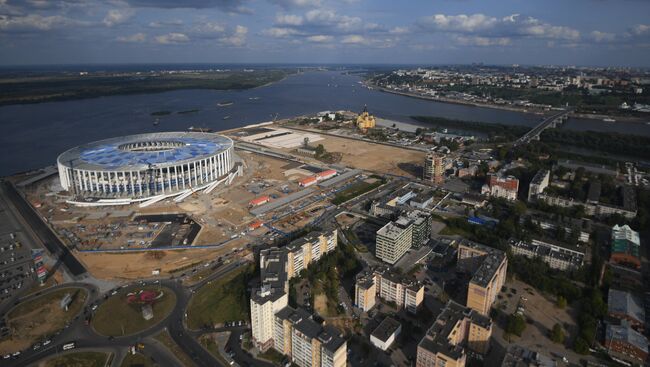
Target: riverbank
(504, 108)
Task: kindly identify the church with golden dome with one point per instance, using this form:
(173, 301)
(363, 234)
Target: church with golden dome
(365, 120)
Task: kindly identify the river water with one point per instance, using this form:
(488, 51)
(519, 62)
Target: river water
(35, 134)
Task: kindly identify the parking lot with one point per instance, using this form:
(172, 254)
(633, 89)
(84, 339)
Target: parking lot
(16, 265)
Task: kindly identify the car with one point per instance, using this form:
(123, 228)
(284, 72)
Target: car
(47, 342)
(564, 359)
(6, 356)
(37, 346)
(94, 307)
(16, 354)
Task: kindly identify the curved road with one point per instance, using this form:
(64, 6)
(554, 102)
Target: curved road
(85, 337)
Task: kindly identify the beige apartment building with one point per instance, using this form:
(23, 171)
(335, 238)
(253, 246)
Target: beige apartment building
(488, 267)
(301, 252)
(306, 342)
(393, 240)
(391, 287)
(456, 330)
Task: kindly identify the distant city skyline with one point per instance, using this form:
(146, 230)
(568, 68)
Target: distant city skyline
(554, 32)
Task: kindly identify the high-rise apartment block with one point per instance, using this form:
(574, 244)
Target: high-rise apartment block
(382, 282)
(488, 267)
(393, 240)
(434, 168)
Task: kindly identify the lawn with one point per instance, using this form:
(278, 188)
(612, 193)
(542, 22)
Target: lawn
(222, 300)
(272, 355)
(355, 190)
(115, 317)
(39, 318)
(136, 360)
(80, 359)
(208, 342)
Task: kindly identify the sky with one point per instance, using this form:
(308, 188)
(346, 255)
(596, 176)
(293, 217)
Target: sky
(527, 32)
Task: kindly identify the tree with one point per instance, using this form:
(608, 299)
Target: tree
(557, 334)
(516, 324)
(581, 346)
(561, 302)
(320, 150)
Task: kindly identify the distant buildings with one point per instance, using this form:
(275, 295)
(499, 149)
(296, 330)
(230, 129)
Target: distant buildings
(488, 266)
(456, 330)
(365, 120)
(434, 168)
(556, 256)
(625, 247)
(539, 182)
(411, 196)
(384, 335)
(628, 209)
(501, 187)
(391, 287)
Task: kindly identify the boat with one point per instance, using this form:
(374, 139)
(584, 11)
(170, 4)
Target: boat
(253, 98)
(156, 122)
(609, 120)
(226, 117)
(225, 103)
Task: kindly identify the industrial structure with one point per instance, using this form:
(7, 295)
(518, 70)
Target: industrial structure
(146, 165)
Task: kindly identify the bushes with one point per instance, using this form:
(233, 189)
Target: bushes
(557, 334)
(516, 324)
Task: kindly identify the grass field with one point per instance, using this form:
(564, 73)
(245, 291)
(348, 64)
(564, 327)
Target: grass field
(80, 359)
(115, 317)
(39, 318)
(220, 301)
(137, 360)
(167, 340)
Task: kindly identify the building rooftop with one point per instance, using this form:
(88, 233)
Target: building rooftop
(625, 334)
(626, 303)
(490, 264)
(436, 340)
(391, 230)
(302, 321)
(539, 177)
(625, 240)
(386, 328)
(518, 356)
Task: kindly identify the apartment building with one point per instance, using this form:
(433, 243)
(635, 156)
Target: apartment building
(277, 266)
(365, 291)
(556, 256)
(421, 222)
(501, 187)
(456, 330)
(434, 168)
(393, 240)
(625, 247)
(623, 342)
(306, 342)
(539, 182)
(488, 267)
(623, 305)
(391, 287)
(303, 251)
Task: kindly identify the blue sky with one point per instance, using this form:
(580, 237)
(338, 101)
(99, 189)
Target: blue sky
(569, 32)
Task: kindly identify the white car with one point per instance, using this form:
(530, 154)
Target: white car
(16, 354)
(7, 356)
(46, 342)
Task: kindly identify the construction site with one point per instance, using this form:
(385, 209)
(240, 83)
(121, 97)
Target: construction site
(277, 191)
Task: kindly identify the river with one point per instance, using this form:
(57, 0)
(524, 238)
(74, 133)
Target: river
(35, 134)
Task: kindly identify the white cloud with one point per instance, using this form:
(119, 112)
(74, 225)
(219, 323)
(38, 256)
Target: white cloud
(288, 19)
(399, 30)
(354, 39)
(166, 23)
(599, 36)
(172, 38)
(280, 32)
(482, 41)
(237, 38)
(640, 29)
(117, 16)
(287, 4)
(36, 22)
(209, 28)
(134, 38)
(511, 26)
(320, 38)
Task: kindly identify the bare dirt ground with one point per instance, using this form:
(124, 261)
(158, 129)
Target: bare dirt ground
(373, 157)
(138, 265)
